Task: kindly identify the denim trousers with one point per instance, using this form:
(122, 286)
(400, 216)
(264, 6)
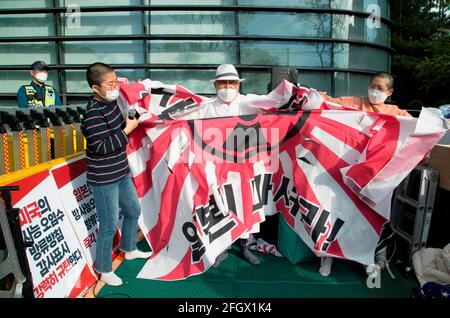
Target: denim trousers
(108, 199)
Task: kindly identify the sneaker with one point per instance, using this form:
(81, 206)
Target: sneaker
(380, 263)
(380, 258)
(371, 269)
(111, 279)
(325, 266)
(137, 254)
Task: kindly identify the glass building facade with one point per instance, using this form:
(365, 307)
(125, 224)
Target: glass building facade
(335, 44)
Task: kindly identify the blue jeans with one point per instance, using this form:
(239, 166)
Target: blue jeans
(108, 199)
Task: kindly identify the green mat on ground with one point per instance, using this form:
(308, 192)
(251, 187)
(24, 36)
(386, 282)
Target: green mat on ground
(273, 278)
(291, 245)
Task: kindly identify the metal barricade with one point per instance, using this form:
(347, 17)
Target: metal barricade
(412, 208)
(4, 158)
(32, 136)
(13, 258)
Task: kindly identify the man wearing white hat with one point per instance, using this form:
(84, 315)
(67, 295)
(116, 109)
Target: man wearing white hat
(228, 102)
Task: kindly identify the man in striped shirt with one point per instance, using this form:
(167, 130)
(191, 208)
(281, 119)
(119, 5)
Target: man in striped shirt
(106, 131)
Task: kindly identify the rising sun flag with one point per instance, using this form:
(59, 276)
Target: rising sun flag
(328, 169)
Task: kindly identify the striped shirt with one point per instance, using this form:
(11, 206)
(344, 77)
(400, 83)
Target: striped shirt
(106, 143)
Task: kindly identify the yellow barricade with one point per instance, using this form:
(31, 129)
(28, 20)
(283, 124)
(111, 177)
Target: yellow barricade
(17, 175)
(24, 149)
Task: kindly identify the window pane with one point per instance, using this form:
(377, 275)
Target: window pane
(365, 58)
(256, 82)
(27, 53)
(196, 81)
(193, 52)
(347, 84)
(14, 4)
(76, 79)
(286, 53)
(103, 23)
(287, 3)
(10, 81)
(192, 22)
(318, 80)
(13, 25)
(191, 2)
(9, 102)
(76, 82)
(285, 24)
(355, 28)
(117, 52)
(371, 6)
(87, 3)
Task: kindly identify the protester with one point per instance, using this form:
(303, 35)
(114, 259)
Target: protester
(381, 87)
(106, 133)
(227, 102)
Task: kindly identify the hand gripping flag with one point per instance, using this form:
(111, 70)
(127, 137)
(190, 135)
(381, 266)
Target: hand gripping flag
(205, 183)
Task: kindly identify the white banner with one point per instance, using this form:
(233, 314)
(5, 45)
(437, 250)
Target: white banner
(56, 259)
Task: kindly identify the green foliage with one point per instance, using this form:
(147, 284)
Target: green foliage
(421, 63)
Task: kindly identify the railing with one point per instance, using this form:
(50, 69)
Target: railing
(36, 135)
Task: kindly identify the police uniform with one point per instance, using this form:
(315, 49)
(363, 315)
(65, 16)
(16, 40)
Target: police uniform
(37, 95)
(43, 96)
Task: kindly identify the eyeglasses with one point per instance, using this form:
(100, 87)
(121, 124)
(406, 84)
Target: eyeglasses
(110, 85)
(227, 83)
(378, 87)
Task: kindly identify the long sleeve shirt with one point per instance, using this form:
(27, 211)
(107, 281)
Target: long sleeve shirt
(364, 104)
(22, 100)
(217, 108)
(106, 143)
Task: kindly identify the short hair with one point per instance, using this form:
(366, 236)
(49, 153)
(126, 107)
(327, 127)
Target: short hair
(385, 75)
(95, 73)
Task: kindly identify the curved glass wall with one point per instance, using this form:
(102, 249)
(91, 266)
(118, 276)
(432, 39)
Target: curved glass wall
(335, 44)
(312, 25)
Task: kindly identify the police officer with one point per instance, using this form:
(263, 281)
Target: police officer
(37, 93)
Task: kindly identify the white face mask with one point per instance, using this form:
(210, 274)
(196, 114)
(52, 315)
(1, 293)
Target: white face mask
(112, 95)
(376, 96)
(41, 77)
(227, 94)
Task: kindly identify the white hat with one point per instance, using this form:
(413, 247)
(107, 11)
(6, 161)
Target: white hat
(227, 72)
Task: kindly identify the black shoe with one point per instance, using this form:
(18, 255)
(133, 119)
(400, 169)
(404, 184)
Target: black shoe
(249, 257)
(220, 258)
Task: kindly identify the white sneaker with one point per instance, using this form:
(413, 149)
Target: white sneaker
(137, 254)
(325, 266)
(381, 259)
(111, 279)
(371, 269)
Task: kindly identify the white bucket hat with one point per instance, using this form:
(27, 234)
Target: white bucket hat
(227, 72)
